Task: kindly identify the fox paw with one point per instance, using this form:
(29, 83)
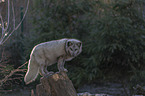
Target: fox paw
(65, 70)
(48, 74)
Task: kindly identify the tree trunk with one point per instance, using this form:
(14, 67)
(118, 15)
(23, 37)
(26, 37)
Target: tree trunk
(57, 84)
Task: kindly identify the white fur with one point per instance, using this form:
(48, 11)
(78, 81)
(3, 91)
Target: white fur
(48, 53)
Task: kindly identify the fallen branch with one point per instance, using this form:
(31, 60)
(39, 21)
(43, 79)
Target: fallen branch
(12, 73)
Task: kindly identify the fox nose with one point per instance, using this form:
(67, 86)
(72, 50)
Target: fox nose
(73, 55)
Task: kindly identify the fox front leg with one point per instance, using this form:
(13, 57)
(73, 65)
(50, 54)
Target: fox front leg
(60, 64)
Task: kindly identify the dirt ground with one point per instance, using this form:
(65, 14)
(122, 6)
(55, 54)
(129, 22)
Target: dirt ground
(113, 89)
(18, 92)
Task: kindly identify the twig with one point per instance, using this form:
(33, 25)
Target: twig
(8, 17)
(2, 22)
(15, 78)
(3, 36)
(17, 25)
(3, 26)
(6, 90)
(13, 14)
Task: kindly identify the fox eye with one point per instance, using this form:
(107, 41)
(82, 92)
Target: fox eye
(70, 43)
(79, 44)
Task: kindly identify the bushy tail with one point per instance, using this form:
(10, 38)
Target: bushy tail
(32, 72)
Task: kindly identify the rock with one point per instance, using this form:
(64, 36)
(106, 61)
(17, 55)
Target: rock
(57, 84)
(139, 90)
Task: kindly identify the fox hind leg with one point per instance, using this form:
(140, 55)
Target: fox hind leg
(44, 71)
(41, 70)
